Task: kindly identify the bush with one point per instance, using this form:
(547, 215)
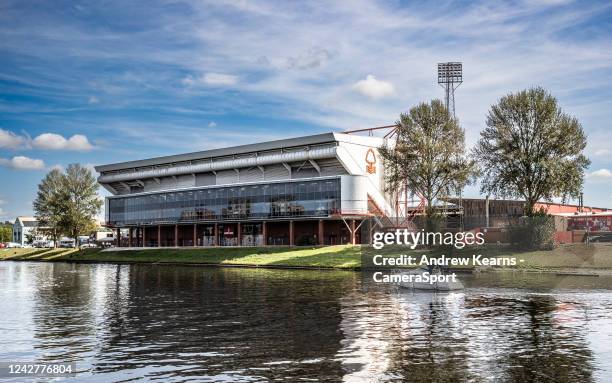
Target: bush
(533, 233)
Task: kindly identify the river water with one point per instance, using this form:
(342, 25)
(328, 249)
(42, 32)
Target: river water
(198, 324)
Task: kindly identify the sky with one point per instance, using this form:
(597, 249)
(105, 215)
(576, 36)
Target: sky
(103, 82)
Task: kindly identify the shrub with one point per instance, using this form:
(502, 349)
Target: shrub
(535, 232)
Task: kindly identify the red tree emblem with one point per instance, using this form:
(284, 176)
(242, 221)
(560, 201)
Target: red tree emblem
(370, 161)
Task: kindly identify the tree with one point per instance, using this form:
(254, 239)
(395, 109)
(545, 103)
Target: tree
(67, 203)
(31, 236)
(6, 233)
(49, 205)
(530, 149)
(429, 154)
(82, 201)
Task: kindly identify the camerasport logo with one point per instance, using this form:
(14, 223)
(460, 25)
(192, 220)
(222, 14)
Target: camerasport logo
(370, 160)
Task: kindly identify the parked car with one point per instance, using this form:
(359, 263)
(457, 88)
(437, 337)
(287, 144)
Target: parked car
(2, 245)
(601, 238)
(66, 243)
(88, 245)
(11, 245)
(43, 244)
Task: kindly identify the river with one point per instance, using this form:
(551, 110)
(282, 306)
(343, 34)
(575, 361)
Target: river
(200, 324)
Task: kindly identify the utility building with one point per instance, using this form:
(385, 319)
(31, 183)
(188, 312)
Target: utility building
(313, 190)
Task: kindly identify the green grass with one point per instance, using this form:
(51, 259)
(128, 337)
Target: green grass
(323, 257)
(577, 256)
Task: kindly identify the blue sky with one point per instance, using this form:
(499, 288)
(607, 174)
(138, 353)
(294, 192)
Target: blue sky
(101, 82)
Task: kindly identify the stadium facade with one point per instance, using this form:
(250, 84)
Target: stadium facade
(312, 190)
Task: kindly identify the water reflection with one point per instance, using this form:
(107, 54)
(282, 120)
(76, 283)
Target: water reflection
(123, 323)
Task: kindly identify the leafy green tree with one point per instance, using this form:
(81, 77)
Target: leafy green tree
(6, 233)
(49, 205)
(82, 201)
(67, 203)
(530, 149)
(429, 154)
(31, 236)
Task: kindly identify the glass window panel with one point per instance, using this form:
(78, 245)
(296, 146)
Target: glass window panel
(305, 198)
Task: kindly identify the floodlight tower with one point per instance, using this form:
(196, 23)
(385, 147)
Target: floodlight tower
(450, 76)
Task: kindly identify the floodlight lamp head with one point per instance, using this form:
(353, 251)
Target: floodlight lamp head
(450, 73)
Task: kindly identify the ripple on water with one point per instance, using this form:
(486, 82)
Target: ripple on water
(182, 324)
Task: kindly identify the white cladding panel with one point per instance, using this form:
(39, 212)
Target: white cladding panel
(333, 170)
(353, 194)
(168, 183)
(205, 179)
(151, 185)
(185, 181)
(276, 172)
(304, 173)
(251, 175)
(227, 177)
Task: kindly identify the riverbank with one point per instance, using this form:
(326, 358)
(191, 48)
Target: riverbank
(595, 257)
(337, 257)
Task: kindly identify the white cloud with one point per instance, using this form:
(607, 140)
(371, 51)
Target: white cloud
(212, 124)
(57, 142)
(603, 152)
(10, 140)
(373, 88)
(214, 79)
(22, 163)
(601, 173)
(92, 169)
(93, 100)
(220, 79)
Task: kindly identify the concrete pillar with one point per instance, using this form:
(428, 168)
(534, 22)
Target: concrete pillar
(176, 235)
(144, 236)
(353, 236)
(195, 234)
(321, 233)
(158, 235)
(118, 237)
(239, 233)
(486, 212)
(291, 233)
(129, 236)
(264, 233)
(216, 235)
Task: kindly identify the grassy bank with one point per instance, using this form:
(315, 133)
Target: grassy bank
(578, 256)
(343, 257)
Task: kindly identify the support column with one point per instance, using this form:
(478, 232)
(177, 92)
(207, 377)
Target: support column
(264, 232)
(144, 236)
(129, 237)
(158, 235)
(175, 235)
(321, 233)
(353, 237)
(239, 233)
(118, 237)
(216, 235)
(195, 234)
(291, 233)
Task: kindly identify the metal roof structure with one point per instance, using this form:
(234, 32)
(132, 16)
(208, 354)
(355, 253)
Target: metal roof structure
(243, 149)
